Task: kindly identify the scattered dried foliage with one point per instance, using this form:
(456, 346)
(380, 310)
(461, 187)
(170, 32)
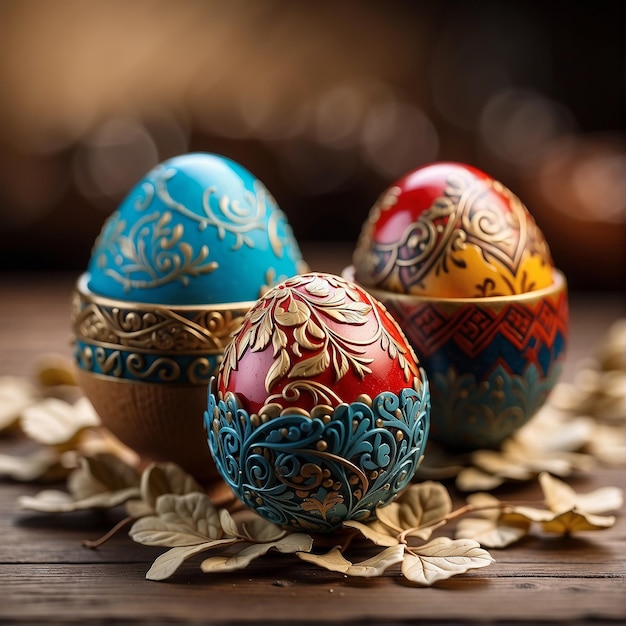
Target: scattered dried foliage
(583, 424)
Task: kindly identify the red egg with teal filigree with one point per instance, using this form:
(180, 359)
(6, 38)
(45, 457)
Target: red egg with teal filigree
(320, 410)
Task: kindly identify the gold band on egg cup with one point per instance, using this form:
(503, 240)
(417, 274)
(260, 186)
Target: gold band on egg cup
(145, 342)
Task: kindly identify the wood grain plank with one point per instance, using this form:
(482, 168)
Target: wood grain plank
(282, 594)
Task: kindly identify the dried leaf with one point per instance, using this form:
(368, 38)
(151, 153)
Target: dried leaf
(442, 558)
(291, 543)
(53, 501)
(376, 532)
(260, 530)
(102, 474)
(42, 465)
(166, 564)
(418, 510)
(566, 513)
(95, 441)
(159, 479)
(608, 444)
(185, 520)
(55, 422)
(498, 464)
(491, 526)
(474, 479)
(575, 521)
(552, 431)
(16, 394)
(55, 369)
(48, 501)
(535, 460)
(534, 514)
(375, 566)
(228, 524)
(560, 497)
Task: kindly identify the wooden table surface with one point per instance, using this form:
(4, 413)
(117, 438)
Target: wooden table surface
(46, 576)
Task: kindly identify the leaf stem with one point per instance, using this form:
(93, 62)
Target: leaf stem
(463, 510)
(87, 543)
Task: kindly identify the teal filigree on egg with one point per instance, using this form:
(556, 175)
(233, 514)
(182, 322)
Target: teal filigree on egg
(313, 471)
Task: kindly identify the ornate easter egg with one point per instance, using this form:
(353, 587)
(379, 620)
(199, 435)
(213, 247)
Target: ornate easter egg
(320, 410)
(173, 272)
(449, 230)
(460, 263)
(197, 229)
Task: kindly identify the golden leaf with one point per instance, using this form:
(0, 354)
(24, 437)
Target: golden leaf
(575, 521)
(318, 287)
(350, 313)
(291, 543)
(315, 330)
(277, 370)
(312, 366)
(442, 558)
(301, 338)
(375, 566)
(297, 313)
(279, 340)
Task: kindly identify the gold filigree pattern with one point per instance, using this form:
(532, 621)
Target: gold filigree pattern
(153, 253)
(308, 315)
(152, 328)
(465, 215)
(155, 250)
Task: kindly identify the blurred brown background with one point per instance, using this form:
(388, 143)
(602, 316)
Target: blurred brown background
(326, 102)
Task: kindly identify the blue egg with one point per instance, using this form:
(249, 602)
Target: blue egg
(197, 229)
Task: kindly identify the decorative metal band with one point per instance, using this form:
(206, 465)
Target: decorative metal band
(475, 336)
(314, 471)
(148, 368)
(149, 342)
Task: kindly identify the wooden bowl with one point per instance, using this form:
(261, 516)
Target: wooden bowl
(146, 367)
(491, 362)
